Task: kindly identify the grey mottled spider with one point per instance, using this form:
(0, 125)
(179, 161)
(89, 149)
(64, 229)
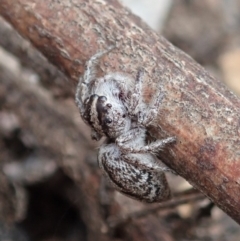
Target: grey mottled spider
(113, 106)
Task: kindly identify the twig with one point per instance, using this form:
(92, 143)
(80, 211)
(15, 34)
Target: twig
(181, 198)
(198, 110)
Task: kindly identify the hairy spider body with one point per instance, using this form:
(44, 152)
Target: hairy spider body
(137, 175)
(113, 106)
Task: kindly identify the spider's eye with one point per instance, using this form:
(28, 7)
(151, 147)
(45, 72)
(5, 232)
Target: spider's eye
(123, 116)
(102, 99)
(109, 105)
(108, 120)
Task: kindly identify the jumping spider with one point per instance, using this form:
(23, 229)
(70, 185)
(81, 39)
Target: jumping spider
(113, 106)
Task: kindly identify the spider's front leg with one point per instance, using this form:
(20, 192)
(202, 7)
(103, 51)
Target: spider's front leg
(83, 88)
(132, 180)
(136, 97)
(134, 142)
(147, 115)
(144, 113)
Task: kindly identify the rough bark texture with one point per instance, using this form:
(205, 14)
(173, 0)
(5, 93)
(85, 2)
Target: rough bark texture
(198, 110)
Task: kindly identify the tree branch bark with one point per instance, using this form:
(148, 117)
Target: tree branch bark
(198, 110)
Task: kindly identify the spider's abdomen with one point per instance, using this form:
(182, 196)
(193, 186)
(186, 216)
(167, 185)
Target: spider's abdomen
(132, 180)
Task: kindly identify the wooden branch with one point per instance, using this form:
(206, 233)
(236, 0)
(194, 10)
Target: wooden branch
(197, 109)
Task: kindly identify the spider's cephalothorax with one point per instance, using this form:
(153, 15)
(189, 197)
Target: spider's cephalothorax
(113, 106)
(107, 118)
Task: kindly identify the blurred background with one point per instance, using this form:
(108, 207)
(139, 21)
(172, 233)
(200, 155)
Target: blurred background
(51, 187)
